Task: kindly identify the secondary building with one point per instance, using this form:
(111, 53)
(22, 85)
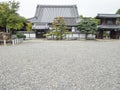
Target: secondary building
(110, 25)
(45, 15)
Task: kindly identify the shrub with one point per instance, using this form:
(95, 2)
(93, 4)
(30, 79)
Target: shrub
(20, 35)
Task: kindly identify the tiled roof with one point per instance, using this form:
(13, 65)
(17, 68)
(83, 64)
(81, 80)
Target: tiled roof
(70, 21)
(109, 26)
(33, 19)
(47, 13)
(108, 16)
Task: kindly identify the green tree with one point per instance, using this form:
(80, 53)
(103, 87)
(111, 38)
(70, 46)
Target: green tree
(4, 12)
(9, 18)
(118, 20)
(81, 16)
(88, 26)
(15, 22)
(29, 26)
(58, 28)
(118, 11)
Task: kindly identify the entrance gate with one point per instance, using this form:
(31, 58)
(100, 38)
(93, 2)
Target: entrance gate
(40, 33)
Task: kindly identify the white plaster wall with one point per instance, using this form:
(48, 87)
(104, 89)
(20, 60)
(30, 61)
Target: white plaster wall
(30, 36)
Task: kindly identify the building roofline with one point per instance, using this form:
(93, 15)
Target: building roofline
(108, 26)
(40, 5)
(107, 15)
(46, 13)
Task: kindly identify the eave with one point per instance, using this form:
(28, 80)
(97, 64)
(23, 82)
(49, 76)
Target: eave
(108, 26)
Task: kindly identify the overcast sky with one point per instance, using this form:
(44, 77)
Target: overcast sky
(88, 8)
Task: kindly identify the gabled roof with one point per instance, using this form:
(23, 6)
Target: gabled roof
(47, 13)
(108, 16)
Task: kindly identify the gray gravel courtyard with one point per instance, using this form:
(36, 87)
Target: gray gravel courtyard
(60, 65)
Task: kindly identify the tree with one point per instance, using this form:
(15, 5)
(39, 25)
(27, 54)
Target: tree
(118, 20)
(118, 11)
(81, 16)
(87, 26)
(4, 12)
(58, 28)
(15, 22)
(9, 18)
(29, 26)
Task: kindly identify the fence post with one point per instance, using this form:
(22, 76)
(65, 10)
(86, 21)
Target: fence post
(68, 36)
(79, 36)
(4, 42)
(13, 42)
(18, 41)
(21, 40)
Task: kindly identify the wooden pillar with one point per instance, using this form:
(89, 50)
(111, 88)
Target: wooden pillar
(117, 34)
(101, 34)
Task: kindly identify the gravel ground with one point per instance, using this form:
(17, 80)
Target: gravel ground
(60, 65)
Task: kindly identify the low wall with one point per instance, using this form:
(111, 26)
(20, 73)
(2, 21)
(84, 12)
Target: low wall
(28, 34)
(12, 41)
(32, 35)
(75, 36)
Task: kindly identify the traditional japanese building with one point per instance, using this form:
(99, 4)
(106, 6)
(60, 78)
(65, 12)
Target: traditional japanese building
(109, 24)
(45, 15)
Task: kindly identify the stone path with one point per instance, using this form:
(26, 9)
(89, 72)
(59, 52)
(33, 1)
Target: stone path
(60, 65)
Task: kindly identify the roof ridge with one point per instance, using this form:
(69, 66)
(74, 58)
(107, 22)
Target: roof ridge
(69, 17)
(41, 5)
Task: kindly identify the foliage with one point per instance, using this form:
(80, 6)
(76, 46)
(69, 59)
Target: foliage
(20, 35)
(118, 20)
(88, 26)
(9, 18)
(105, 34)
(58, 28)
(29, 26)
(4, 11)
(118, 11)
(13, 6)
(81, 16)
(15, 22)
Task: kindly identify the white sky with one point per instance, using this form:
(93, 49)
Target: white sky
(88, 8)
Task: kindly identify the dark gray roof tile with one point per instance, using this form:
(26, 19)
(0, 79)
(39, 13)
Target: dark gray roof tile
(109, 26)
(46, 13)
(108, 16)
(70, 21)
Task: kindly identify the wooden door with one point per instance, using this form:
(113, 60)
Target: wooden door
(40, 34)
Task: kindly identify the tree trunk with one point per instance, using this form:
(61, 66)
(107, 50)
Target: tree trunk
(86, 35)
(6, 29)
(61, 37)
(65, 36)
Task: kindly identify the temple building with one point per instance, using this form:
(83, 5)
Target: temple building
(45, 15)
(109, 25)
